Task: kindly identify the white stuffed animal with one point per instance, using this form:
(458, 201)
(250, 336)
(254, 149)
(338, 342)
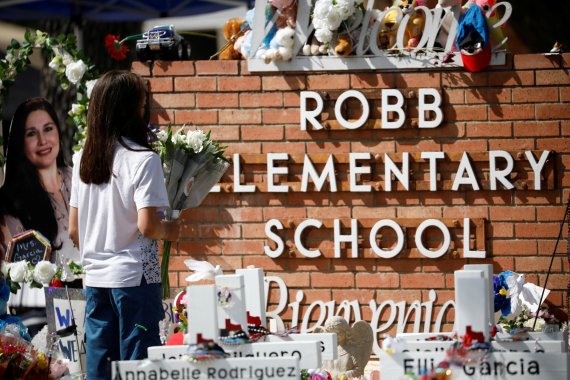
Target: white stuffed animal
(281, 46)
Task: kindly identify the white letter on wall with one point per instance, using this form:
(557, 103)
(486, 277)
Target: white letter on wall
(387, 254)
(272, 171)
(238, 187)
(354, 170)
(365, 109)
(468, 253)
(432, 157)
(465, 166)
(387, 107)
(352, 238)
(537, 167)
(391, 168)
(500, 175)
(309, 170)
(299, 233)
(435, 107)
(446, 238)
(273, 236)
(310, 115)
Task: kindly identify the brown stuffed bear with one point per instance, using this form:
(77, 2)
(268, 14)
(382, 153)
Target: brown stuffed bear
(343, 45)
(231, 31)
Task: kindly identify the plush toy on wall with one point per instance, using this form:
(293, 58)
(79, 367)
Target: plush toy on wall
(473, 40)
(497, 35)
(287, 12)
(343, 46)
(281, 46)
(415, 26)
(232, 30)
(388, 30)
(314, 47)
(453, 6)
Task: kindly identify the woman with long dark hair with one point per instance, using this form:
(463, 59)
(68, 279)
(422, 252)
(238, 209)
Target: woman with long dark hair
(37, 186)
(117, 190)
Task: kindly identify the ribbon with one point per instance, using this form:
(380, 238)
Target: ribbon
(203, 270)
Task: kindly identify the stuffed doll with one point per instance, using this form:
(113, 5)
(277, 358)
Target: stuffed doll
(232, 30)
(497, 35)
(415, 26)
(281, 46)
(343, 45)
(9, 324)
(314, 47)
(287, 12)
(388, 30)
(245, 43)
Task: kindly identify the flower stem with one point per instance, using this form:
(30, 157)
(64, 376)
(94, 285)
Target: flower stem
(165, 280)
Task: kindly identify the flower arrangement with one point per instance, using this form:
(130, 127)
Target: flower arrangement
(315, 374)
(331, 15)
(44, 273)
(70, 64)
(193, 163)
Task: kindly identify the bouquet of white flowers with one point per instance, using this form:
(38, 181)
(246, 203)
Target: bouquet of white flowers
(193, 163)
(328, 17)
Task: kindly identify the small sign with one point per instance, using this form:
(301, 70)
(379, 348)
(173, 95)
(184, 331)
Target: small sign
(327, 342)
(504, 346)
(248, 368)
(308, 353)
(30, 246)
(497, 365)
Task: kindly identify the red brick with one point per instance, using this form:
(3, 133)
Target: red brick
(511, 144)
(173, 68)
(198, 248)
(219, 67)
(546, 247)
(173, 101)
(253, 230)
(466, 212)
(421, 80)
(552, 77)
(557, 144)
(536, 61)
(312, 265)
(294, 279)
(488, 96)
(196, 117)
(239, 84)
(519, 213)
(453, 96)
(283, 83)
(536, 230)
(501, 230)
(329, 213)
(564, 94)
(335, 147)
(511, 78)
(267, 263)
(464, 146)
(217, 100)
(329, 81)
(199, 84)
(512, 112)
(332, 280)
(267, 132)
(489, 129)
(377, 280)
(140, 68)
(239, 116)
(291, 99)
(513, 247)
(269, 99)
(280, 116)
(242, 247)
(537, 264)
(537, 129)
(161, 116)
(213, 231)
(553, 111)
(550, 213)
(368, 212)
(421, 281)
(465, 113)
(535, 94)
(463, 79)
(160, 84)
(362, 296)
(398, 295)
(365, 80)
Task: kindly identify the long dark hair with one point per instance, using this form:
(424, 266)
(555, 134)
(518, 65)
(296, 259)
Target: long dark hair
(23, 195)
(114, 114)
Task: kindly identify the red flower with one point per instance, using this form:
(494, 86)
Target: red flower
(116, 50)
(56, 283)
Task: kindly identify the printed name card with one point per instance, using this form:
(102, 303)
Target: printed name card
(308, 353)
(556, 346)
(327, 342)
(248, 368)
(203, 325)
(499, 365)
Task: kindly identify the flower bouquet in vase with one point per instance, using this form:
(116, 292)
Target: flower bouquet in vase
(193, 163)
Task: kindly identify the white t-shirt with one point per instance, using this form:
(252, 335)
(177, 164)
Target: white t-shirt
(115, 254)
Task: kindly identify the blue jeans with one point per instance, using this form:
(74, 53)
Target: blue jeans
(120, 324)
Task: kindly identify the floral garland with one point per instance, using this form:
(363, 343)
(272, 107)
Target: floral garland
(44, 273)
(70, 64)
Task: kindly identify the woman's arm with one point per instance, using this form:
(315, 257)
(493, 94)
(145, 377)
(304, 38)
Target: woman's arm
(152, 226)
(73, 226)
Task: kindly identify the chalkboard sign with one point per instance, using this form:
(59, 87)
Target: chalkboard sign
(29, 245)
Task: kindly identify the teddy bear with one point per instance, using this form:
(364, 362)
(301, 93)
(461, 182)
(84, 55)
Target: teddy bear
(388, 30)
(415, 26)
(287, 12)
(343, 46)
(314, 47)
(232, 30)
(281, 46)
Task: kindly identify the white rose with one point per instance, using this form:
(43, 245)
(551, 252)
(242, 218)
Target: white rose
(41, 38)
(66, 58)
(77, 109)
(323, 35)
(19, 271)
(90, 84)
(44, 272)
(5, 266)
(75, 70)
(322, 9)
(195, 140)
(334, 19)
(161, 135)
(179, 138)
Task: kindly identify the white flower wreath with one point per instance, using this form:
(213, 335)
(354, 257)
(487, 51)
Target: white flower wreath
(71, 65)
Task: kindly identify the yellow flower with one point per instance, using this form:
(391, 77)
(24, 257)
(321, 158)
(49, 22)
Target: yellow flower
(503, 292)
(42, 361)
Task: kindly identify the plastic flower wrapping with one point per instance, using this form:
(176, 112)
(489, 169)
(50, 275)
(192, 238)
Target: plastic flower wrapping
(193, 163)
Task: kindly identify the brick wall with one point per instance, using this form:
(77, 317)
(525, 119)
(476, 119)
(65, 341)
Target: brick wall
(524, 105)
